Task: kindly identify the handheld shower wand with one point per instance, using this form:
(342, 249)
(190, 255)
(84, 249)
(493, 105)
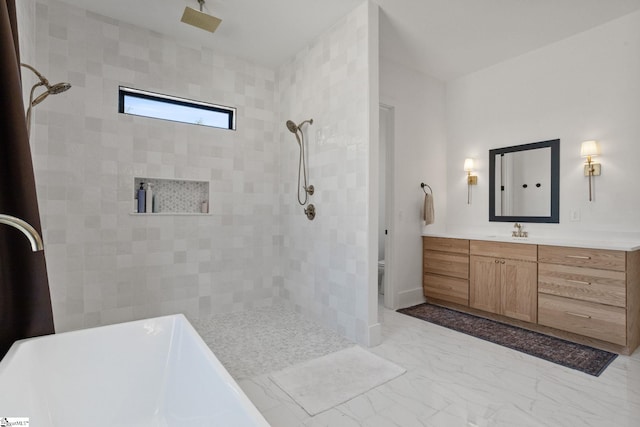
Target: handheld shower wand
(302, 167)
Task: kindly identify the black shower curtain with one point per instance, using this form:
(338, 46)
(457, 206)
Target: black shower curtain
(25, 302)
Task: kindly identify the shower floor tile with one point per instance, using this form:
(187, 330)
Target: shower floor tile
(256, 342)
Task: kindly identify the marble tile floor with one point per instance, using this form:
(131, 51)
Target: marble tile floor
(456, 380)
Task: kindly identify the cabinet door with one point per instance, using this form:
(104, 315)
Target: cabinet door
(520, 290)
(484, 286)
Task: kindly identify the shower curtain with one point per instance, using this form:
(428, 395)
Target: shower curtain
(25, 302)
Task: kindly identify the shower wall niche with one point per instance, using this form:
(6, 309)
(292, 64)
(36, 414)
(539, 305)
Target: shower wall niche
(174, 197)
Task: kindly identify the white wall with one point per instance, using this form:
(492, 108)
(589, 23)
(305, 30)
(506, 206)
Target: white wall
(326, 262)
(419, 155)
(106, 265)
(584, 87)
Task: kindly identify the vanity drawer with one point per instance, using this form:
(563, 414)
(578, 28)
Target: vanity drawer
(446, 264)
(582, 257)
(460, 246)
(446, 288)
(586, 284)
(598, 321)
(521, 251)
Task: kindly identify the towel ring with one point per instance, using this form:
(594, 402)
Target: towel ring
(422, 184)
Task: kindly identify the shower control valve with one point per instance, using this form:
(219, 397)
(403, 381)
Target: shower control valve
(310, 189)
(310, 212)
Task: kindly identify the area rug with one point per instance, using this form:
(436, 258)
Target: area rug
(583, 358)
(328, 381)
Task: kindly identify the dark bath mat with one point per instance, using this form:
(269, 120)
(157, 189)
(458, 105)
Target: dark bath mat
(575, 356)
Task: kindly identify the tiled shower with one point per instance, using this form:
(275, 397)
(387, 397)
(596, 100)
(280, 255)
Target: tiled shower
(108, 265)
(325, 260)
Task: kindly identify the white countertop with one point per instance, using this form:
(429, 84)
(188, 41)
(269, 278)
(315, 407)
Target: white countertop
(615, 244)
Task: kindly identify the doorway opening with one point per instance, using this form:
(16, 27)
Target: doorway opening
(386, 294)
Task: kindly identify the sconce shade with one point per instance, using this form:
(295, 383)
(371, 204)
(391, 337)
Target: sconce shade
(589, 149)
(468, 165)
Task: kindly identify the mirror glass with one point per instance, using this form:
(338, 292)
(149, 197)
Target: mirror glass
(524, 182)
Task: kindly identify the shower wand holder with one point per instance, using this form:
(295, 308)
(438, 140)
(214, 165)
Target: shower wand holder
(310, 212)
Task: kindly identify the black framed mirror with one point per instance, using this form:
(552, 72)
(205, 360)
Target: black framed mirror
(524, 183)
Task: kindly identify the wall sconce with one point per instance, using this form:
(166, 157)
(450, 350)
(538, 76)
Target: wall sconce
(590, 149)
(471, 179)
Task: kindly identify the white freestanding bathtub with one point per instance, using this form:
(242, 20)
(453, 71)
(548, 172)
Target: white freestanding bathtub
(154, 372)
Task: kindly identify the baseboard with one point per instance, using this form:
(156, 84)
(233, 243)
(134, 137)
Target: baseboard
(375, 335)
(410, 298)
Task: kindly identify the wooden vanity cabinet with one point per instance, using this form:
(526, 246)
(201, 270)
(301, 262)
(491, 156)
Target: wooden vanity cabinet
(445, 267)
(503, 279)
(589, 296)
(584, 291)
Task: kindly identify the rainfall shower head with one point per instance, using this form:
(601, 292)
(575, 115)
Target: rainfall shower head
(199, 19)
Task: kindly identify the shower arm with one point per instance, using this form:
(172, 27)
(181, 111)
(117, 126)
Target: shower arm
(42, 79)
(310, 121)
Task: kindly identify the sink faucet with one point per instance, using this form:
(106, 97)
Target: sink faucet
(26, 228)
(518, 231)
